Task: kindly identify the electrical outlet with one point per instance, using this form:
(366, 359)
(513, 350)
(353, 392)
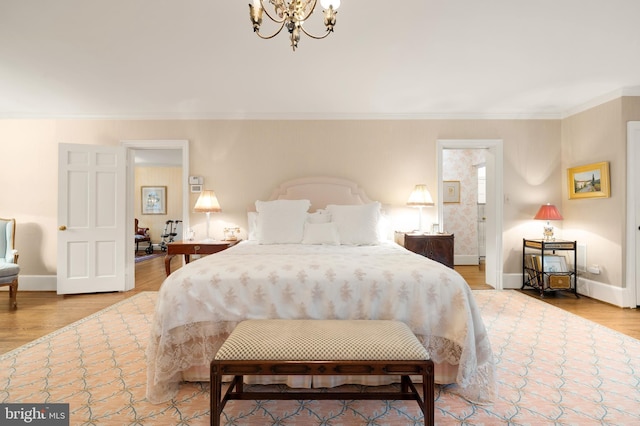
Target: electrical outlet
(594, 269)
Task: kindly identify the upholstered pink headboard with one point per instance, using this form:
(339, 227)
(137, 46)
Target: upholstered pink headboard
(321, 190)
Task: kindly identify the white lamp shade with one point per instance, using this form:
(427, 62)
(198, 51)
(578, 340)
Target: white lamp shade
(420, 197)
(207, 203)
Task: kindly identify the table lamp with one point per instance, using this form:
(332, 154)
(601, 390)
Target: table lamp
(548, 212)
(207, 203)
(420, 197)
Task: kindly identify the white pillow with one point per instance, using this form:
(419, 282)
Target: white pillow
(321, 233)
(281, 221)
(319, 216)
(384, 227)
(252, 231)
(357, 224)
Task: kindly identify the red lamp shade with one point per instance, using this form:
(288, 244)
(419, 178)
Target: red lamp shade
(548, 212)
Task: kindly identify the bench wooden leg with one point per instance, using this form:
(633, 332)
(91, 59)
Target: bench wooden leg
(236, 391)
(428, 394)
(216, 395)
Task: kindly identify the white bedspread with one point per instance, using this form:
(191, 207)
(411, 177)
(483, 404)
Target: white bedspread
(200, 303)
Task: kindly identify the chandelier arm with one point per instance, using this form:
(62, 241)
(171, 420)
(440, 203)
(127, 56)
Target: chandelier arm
(313, 8)
(277, 21)
(272, 35)
(315, 36)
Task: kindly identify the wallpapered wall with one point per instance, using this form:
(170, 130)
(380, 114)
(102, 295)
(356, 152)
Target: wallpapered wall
(461, 218)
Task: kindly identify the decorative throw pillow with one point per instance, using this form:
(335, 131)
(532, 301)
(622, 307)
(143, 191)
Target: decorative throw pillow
(321, 233)
(319, 216)
(281, 221)
(357, 224)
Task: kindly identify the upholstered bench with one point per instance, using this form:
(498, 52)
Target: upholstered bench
(322, 347)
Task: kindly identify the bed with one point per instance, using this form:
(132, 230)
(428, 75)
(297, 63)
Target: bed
(317, 249)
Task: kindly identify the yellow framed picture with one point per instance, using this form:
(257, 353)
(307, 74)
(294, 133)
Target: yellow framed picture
(590, 181)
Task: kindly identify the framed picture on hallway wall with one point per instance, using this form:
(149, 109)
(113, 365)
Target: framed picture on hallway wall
(154, 200)
(590, 181)
(451, 191)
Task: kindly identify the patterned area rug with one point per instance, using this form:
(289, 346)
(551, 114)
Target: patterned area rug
(553, 368)
(142, 256)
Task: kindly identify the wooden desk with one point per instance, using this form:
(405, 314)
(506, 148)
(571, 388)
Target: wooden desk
(187, 248)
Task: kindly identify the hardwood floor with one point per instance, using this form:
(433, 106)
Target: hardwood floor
(40, 313)
(626, 321)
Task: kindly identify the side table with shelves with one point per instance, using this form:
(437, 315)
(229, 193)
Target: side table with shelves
(545, 269)
(438, 247)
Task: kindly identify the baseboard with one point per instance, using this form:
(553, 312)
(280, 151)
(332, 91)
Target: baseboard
(605, 293)
(465, 260)
(36, 283)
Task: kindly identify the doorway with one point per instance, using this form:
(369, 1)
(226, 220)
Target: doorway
(494, 195)
(481, 216)
(632, 271)
(151, 149)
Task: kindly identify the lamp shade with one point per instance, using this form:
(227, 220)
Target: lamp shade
(420, 197)
(548, 212)
(207, 202)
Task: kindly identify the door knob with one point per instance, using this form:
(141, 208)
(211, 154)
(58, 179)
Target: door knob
(62, 228)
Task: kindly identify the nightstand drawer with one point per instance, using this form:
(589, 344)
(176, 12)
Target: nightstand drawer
(204, 248)
(438, 247)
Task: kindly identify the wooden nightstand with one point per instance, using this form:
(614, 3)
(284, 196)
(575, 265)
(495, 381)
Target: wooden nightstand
(188, 248)
(438, 247)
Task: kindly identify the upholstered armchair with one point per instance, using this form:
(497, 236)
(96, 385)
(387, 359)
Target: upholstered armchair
(142, 236)
(9, 268)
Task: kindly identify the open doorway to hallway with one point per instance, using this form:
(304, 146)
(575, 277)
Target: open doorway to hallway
(474, 216)
(158, 193)
(156, 155)
(465, 216)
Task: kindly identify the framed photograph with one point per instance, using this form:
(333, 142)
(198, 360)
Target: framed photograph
(555, 264)
(154, 200)
(451, 191)
(590, 181)
(196, 188)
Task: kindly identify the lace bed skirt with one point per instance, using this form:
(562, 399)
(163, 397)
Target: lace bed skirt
(185, 354)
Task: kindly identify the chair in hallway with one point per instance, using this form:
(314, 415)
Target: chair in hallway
(142, 236)
(9, 269)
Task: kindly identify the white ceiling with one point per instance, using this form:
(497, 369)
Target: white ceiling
(386, 59)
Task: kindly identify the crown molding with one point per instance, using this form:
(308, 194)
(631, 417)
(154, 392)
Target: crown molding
(625, 91)
(287, 116)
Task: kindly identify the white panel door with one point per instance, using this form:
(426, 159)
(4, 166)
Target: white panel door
(91, 218)
(633, 134)
(492, 269)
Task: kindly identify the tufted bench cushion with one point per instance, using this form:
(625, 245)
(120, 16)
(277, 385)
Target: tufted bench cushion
(322, 340)
(321, 347)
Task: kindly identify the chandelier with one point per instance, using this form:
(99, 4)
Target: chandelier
(292, 14)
